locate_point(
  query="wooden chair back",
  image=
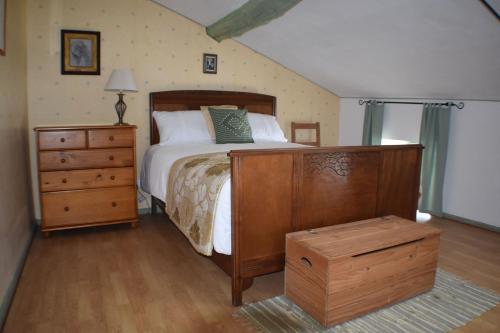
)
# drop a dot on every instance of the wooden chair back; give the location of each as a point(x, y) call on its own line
point(313, 126)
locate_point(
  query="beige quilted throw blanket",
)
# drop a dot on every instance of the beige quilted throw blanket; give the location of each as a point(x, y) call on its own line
point(194, 186)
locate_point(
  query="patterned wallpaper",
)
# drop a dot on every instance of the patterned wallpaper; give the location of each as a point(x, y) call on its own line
point(164, 50)
point(15, 203)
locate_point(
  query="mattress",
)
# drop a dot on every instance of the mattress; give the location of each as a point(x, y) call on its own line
point(155, 170)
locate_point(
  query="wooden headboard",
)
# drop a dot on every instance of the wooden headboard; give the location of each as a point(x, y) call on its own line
point(182, 100)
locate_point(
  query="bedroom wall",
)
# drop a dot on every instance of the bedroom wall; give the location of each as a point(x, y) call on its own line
point(15, 197)
point(164, 50)
point(472, 181)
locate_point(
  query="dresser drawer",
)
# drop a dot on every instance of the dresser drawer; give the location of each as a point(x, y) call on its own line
point(84, 159)
point(82, 179)
point(88, 206)
point(72, 139)
point(103, 138)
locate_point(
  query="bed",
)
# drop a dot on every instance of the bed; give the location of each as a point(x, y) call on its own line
point(279, 188)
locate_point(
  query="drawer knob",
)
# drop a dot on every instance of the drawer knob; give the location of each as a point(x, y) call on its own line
point(64, 180)
point(99, 175)
point(113, 204)
point(111, 138)
point(111, 158)
point(66, 209)
point(112, 177)
point(63, 160)
point(63, 139)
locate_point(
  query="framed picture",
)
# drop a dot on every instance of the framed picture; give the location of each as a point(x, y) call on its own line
point(3, 26)
point(80, 52)
point(209, 63)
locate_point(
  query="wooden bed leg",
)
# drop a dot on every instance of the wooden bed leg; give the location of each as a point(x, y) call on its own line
point(238, 286)
point(45, 234)
point(237, 291)
point(153, 205)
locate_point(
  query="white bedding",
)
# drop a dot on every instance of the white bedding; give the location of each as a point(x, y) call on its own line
point(156, 167)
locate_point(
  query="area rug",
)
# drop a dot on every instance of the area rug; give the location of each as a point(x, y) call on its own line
point(450, 304)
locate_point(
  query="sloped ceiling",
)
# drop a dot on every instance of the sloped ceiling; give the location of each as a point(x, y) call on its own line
point(443, 49)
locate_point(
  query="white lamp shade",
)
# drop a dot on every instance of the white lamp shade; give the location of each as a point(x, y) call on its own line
point(121, 80)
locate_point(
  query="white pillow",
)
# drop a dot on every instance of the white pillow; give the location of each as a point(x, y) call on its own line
point(181, 127)
point(265, 128)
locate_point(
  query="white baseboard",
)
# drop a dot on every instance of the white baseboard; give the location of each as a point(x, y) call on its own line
point(471, 222)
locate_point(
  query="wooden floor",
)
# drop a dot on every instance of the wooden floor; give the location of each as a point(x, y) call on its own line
point(116, 279)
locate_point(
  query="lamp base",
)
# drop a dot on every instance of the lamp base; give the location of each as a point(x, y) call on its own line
point(120, 108)
point(121, 124)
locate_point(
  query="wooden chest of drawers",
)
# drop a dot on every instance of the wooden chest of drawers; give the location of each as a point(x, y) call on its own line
point(340, 272)
point(87, 176)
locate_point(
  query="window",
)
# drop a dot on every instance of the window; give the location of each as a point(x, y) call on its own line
point(394, 142)
point(401, 124)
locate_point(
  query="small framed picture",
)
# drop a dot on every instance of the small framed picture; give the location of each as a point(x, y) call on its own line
point(209, 63)
point(80, 52)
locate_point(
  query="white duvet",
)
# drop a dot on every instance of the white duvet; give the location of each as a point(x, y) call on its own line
point(156, 167)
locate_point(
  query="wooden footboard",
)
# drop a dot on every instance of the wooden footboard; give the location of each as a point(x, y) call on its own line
point(283, 190)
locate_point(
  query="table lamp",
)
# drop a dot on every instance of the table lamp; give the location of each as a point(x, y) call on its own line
point(121, 80)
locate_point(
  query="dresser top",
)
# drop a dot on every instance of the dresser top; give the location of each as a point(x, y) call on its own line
point(76, 127)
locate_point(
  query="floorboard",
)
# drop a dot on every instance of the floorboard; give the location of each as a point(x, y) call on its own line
point(117, 279)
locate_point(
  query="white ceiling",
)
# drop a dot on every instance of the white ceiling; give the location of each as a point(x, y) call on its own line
point(443, 49)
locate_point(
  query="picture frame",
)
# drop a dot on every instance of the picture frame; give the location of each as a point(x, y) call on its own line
point(209, 63)
point(3, 26)
point(80, 52)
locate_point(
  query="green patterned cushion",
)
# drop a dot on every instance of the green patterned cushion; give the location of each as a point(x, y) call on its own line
point(231, 126)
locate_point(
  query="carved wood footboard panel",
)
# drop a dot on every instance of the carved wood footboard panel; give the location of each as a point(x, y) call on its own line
point(279, 191)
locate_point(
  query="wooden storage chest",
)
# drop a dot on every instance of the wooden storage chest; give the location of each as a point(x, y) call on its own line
point(340, 272)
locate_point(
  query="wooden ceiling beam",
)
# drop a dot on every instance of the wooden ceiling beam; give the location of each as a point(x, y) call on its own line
point(250, 15)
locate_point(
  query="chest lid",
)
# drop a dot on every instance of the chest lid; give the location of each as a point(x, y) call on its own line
point(351, 239)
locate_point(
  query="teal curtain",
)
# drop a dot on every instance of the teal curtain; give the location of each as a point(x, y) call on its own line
point(372, 127)
point(434, 133)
